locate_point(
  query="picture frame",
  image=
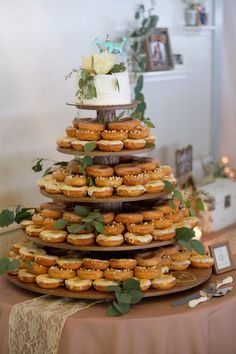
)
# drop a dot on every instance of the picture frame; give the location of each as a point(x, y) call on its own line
point(158, 50)
point(222, 255)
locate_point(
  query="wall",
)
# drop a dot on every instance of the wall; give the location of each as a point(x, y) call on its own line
point(228, 108)
point(41, 41)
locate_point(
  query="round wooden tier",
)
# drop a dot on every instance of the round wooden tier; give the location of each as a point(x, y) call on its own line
point(186, 279)
point(103, 153)
point(124, 247)
point(131, 105)
point(113, 199)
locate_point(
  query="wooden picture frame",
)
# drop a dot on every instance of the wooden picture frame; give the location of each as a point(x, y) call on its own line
point(158, 50)
point(222, 255)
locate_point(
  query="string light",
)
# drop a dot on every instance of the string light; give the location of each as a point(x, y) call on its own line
point(225, 160)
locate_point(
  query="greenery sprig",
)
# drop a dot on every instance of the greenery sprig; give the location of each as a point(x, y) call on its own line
point(127, 294)
point(7, 264)
point(38, 166)
point(90, 220)
point(8, 216)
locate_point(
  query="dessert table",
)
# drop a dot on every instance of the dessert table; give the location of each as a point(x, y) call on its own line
point(152, 326)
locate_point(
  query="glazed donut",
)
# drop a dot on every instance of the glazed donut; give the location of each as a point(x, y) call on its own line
point(166, 209)
point(15, 247)
point(170, 250)
point(100, 192)
point(52, 205)
point(71, 131)
point(140, 132)
point(140, 229)
point(164, 235)
point(129, 218)
point(179, 265)
point(199, 261)
point(181, 255)
point(90, 125)
point(151, 214)
point(81, 239)
point(72, 217)
point(176, 217)
point(74, 192)
point(43, 181)
point(150, 139)
point(50, 224)
point(135, 239)
point(147, 272)
point(104, 284)
point(133, 180)
point(113, 181)
point(35, 268)
point(92, 263)
point(46, 260)
point(79, 145)
point(134, 144)
point(46, 282)
point(59, 175)
point(156, 174)
point(29, 252)
point(51, 213)
point(25, 223)
point(108, 217)
point(165, 262)
point(146, 163)
point(54, 187)
point(162, 223)
point(114, 228)
point(124, 124)
point(144, 283)
point(123, 263)
point(164, 282)
point(64, 141)
point(33, 230)
point(109, 240)
point(38, 219)
point(114, 134)
point(154, 187)
point(130, 191)
point(56, 272)
point(118, 274)
point(53, 235)
point(69, 263)
point(99, 171)
point(26, 277)
point(149, 259)
point(167, 170)
point(191, 221)
point(76, 180)
point(170, 179)
point(110, 145)
point(91, 274)
point(77, 284)
point(87, 135)
point(125, 169)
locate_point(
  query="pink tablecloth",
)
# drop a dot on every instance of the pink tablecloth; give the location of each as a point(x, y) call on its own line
point(151, 327)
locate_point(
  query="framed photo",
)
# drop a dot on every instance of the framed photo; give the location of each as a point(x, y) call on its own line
point(158, 50)
point(223, 258)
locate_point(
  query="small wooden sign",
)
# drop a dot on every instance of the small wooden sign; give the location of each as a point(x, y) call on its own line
point(184, 162)
point(222, 255)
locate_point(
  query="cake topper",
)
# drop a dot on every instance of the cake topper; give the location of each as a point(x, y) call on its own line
point(111, 47)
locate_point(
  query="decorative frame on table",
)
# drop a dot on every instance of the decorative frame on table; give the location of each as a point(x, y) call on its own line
point(158, 50)
point(222, 255)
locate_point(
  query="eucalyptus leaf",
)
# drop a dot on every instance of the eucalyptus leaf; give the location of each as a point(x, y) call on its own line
point(81, 211)
point(184, 233)
point(148, 145)
point(192, 212)
point(99, 217)
point(169, 187)
point(136, 296)
point(61, 223)
point(131, 284)
point(121, 115)
point(47, 171)
point(122, 308)
point(185, 244)
point(124, 298)
point(112, 311)
point(75, 228)
point(98, 226)
point(199, 204)
point(23, 214)
point(178, 195)
point(90, 146)
point(7, 264)
point(38, 166)
point(171, 203)
point(198, 247)
point(6, 217)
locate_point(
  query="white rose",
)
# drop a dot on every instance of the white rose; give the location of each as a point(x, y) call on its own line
point(103, 62)
point(87, 63)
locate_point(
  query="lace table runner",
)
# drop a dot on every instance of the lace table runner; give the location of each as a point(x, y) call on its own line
point(35, 326)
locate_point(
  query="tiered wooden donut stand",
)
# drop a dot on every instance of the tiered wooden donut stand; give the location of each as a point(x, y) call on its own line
point(185, 279)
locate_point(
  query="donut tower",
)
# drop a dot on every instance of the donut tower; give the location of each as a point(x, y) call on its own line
point(94, 236)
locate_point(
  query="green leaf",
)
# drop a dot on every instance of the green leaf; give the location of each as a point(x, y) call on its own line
point(6, 264)
point(192, 212)
point(90, 146)
point(184, 244)
point(91, 91)
point(117, 83)
point(113, 287)
point(75, 228)
point(38, 166)
point(91, 182)
point(98, 226)
point(169, 187)
point(178, 195)
point(118, 68)
point(47, 171)
point(14, 264)
point(99, 217)
point(122, 308)
point(171, 203)
point(149, 124)
point(198, 247)
point(131, 284)
point(61, 223)
point(120, 115)
point(124, 298)
point(136, 296)
point(187, 204)
point(199, 204)
point(184, 233)
point(61, 163)
point(6, 217)
point(23, 214)
point(81, 211)
point(148, 145)
point(139, 84)
point(112, 311)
